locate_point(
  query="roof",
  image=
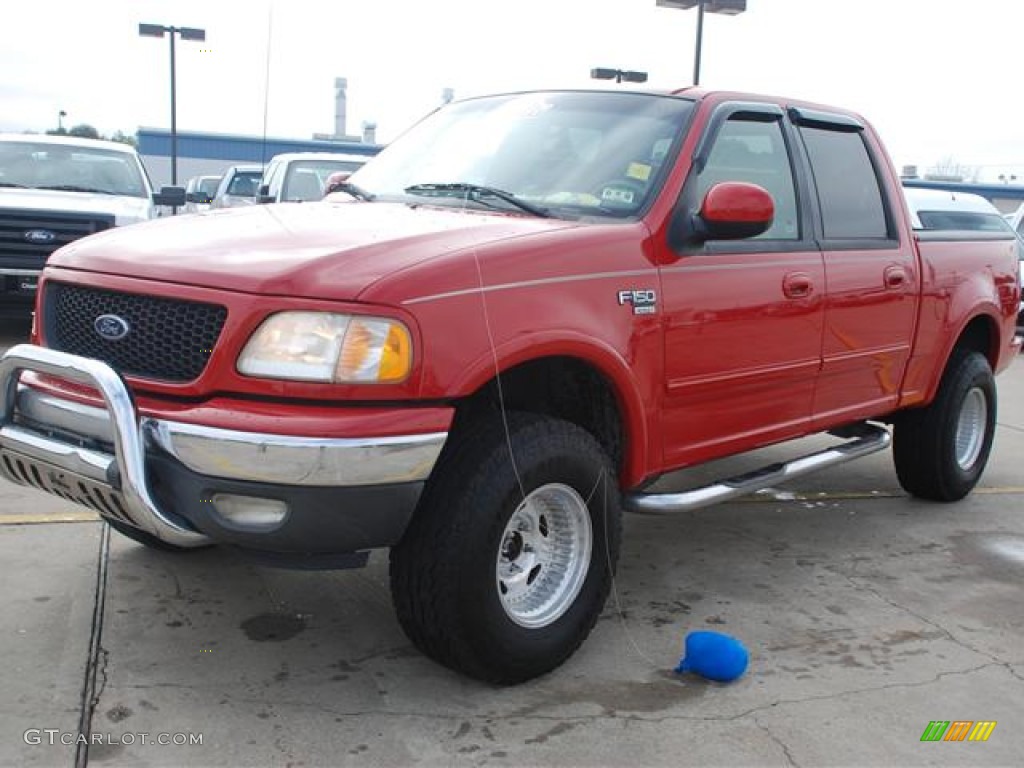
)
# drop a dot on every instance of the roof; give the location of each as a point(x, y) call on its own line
point(289, 156)
point(1000, 191)
point(155, 142)
point(68, 141)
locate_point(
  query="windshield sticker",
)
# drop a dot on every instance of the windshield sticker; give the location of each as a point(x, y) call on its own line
point(617, 195)
point(639, 171)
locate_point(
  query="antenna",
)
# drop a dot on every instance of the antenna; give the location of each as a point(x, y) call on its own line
point(266, 86)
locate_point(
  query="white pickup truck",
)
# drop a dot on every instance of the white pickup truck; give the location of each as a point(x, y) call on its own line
point(55, 189)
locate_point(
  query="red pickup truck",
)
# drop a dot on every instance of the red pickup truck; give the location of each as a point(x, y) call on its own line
point(508, 325)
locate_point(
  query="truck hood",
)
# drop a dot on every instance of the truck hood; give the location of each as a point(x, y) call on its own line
point(125, 210)
point(311, 250)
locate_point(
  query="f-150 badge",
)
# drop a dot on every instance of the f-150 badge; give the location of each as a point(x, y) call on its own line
point(644, 302)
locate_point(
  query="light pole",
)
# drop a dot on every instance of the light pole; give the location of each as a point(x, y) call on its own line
point(724, 7)
point(187, 33)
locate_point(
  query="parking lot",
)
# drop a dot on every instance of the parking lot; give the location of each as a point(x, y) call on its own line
point(867, 615)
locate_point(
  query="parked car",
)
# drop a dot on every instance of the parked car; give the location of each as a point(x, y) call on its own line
point(302, 176)
point(941, 210)
point(1016, 220)
point(56, 189)
point(530, 308)
point(238, 186)
point(199, 193)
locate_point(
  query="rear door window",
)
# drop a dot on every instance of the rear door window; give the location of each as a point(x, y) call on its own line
point(849, 194)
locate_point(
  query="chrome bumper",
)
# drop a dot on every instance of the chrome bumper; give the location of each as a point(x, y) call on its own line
point(38, 435)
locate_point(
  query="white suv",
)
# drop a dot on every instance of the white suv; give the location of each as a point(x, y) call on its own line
point(55, 189)
point(301, 176)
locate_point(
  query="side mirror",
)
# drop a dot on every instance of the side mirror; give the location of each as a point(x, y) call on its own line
point(172, 196)
point(263, 194)
point(335, 181)
point(734, 210)
point(191, 197)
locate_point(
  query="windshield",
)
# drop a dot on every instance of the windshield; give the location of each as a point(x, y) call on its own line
point(306, 178)
point(244, 183)
point(970, 220)
point(572, 153)
point(208, 185)
point(75, 168)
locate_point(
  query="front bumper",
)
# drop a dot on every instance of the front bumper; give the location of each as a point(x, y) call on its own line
point(165, 477)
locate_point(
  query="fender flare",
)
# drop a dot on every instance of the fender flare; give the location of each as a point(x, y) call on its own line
point(602, 357)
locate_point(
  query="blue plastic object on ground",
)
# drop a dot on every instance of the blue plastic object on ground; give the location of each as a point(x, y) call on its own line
point(715, 656)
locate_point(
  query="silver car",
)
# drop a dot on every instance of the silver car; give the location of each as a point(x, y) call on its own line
point(238, 186)
point(199, 193)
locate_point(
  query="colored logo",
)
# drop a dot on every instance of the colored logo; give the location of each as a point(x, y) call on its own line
point(958, 730)
point(40, 236)
point(111, 327)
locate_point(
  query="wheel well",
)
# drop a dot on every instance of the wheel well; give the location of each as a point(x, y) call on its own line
point(980, 336)
point(563, 387)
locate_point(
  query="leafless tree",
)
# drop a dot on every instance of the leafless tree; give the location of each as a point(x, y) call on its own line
point(949, 168)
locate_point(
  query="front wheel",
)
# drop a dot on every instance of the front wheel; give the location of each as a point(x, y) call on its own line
point(509, 558)
point(941, 451)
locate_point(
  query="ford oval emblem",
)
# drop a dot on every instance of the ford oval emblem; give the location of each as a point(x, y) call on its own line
point(111, 327)
point(40, 236)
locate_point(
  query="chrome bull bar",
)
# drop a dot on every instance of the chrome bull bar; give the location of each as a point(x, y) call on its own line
point(114, 485)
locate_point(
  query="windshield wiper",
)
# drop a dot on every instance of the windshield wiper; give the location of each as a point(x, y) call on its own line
point(476, 192)
point(12, 184)
point(351, 189)
point(76, 188)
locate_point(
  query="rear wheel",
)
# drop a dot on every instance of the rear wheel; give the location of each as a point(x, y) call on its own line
point(506, 565)
point(941, 451)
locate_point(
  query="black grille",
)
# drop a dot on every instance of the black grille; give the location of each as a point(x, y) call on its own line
point(27, 238)
point(168, 339)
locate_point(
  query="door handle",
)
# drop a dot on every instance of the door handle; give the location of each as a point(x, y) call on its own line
point(797, 285)
point(895, 277)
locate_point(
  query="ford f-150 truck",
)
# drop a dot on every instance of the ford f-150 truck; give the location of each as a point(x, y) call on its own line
point(55, 189)
point(505, 328)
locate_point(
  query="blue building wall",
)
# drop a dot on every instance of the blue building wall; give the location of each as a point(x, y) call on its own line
point(211, 153)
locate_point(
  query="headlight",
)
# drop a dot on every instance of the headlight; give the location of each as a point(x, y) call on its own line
point(319, 346)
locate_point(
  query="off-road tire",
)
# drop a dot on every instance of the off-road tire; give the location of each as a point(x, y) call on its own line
point(444, 577)
point(925, 442)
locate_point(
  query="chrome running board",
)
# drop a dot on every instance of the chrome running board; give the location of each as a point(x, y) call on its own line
point(867, 439)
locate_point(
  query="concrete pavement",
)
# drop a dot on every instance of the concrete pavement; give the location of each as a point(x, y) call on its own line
point(868, 615)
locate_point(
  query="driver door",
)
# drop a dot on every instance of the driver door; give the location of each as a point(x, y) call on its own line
point(743, 338)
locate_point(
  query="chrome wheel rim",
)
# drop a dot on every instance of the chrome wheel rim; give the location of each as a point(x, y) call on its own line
point(970, 428)
point(544, 555)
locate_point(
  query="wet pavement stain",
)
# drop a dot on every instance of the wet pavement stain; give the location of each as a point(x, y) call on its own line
point(558, 729)
point(997, 556)
point(273, 627)
point(661, 691)
point(118, 713)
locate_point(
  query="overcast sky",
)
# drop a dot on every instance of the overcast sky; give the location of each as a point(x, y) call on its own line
point(939, 79)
